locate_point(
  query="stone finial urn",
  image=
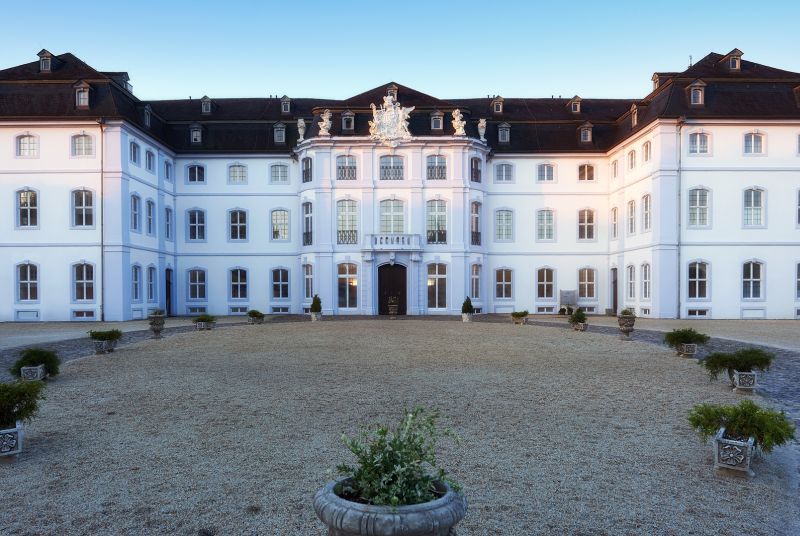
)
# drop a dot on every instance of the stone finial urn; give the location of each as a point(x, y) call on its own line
point(347, 518)
point(156, 321)
point(626, 322)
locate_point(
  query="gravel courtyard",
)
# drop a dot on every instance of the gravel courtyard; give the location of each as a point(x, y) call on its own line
point(232, 432)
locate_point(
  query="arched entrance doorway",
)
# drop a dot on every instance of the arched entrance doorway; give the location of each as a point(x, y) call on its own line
point(391, 283)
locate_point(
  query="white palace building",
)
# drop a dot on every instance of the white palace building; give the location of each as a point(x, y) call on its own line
point(684, 203)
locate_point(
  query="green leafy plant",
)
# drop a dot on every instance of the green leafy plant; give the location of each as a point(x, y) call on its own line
point(562, 311)
point(466, 307)
point(255, 313)
point(203, 318)
point(744, 360)
point(316, 304)
point(19, 401)
point(156, 312)
point(627, 312)
point(570, 310)
point(395, 466)
point(519, 314)
point(33, 357)
point(107, 335)
point(578, 317)
point(768, 427)
point(684, 336)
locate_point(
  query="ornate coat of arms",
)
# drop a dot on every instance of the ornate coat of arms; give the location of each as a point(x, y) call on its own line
point(390, 122)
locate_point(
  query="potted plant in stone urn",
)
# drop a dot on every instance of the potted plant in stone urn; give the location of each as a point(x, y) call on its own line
point(685, 341)
point(626, 320)
point(36, 364)
point(741, 366)
point(739, 430)
point(396, 487)
point(105, 340)
point(518, 317)
point(316, 308)
point(467, 310)
point(254, 316)
point(156, 321)
point(578, 320)
point(19, 402)
point(393, 305)
point(204, 322)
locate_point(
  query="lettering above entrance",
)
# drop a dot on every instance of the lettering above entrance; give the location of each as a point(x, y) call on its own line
point(389, 123)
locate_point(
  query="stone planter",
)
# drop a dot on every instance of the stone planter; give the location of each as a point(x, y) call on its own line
point(466, 317)
point(626, 326)
point(11, 440)
point(104, 347)
point(30, 374)
point(255, 319)
point(393, 309)
point(156, 325)
point(580, 326)
point(316, 317)
point(687, 350)
point(347, 518)
point(733, 453)
point(519, 320)
point(204, 326)
point(744, 381)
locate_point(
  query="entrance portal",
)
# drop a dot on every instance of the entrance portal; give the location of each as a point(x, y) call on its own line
point(391, 283)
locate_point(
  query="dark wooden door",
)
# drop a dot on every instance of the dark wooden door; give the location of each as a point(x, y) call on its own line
point(391, 282)
point(168, 292)
point(614, 290)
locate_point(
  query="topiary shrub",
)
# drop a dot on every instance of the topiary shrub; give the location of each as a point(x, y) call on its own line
point(316, 304)
point(684, 336)
point(627, 312)
point(570, 310)
point(204, 318)
point(768, 427)
point(395, 466)
point(562, 311)
point(19, 401)
point(578, 317)
point(107, 335)
point(519, 314)
point(254, 313)
point(33, 357)
point(466, 307)
point(745, 360)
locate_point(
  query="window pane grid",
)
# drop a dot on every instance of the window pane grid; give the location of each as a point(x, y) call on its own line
point(504, 225)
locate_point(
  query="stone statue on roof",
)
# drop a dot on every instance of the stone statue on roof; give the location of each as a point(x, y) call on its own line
point(301, 128)
point(325, 124)
point(459, 123)
point(390, 122)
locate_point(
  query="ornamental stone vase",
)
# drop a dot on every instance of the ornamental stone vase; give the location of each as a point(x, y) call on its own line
point(347, 518)
point(316, 317)
point(626, 323)
point(732, 453)
point(156, 325)
point(31, 374)
point(466, 317)
point(11, 440)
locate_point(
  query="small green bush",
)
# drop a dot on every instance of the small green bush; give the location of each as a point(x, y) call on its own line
point(316, 304)
point(33, 357)
point(204, 318)
point(466, 307)
point(107, 335)
point(255, 313)
point(745, 360)
point(519, 314)
point(19, 401)
point(627, 312)
point(768, 427)
point(684, 336)
point(578, 317)
point(562, 311)
point(156, 312)
point(395, 466)
point(570, 310)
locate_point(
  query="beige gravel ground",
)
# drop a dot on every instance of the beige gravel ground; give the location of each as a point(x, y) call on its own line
point(232, 431)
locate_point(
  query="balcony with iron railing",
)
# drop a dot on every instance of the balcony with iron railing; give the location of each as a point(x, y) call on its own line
point(437, 236)
point(476, 238)
point(347, 237)
point(393, 242)
point(437, 173)
point(391, 173)
point(345, 173)
point(308, 238)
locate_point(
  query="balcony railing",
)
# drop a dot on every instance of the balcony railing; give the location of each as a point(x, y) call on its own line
point(347, 237)
point(476, 238)
point(345, 173)
point(437, 237)
point(437, 173)
point(388, 241)
point(308, 238)
point(391, 173)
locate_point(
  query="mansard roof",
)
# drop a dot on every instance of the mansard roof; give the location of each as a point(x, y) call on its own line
point(245, 125)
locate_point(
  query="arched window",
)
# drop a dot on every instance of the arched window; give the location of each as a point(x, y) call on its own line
point(754, 207)
point(27, 209)
point(647, 212)
point(614, 222)
point(697, 96)
point(585, 172)
point(698, 280)
point(150, 161)
point(82, 97)
point(391, 168)
point(503, 284)
point(307, 166)
point(436, 222)
point(504, 173)
point(699, 207)
point(698, 143)
point(82, 145)
point(753, 143)
point(27, 282)
point(646, 151)
point(346, 222)
point(196, 174)
point(150, 217)
point(280, 284)
point(631, 159)
point(436, 168)
point(752, 283)
point(279, 174)
point(347, 285)
point(437, 286)
point(308, 223)
point(645, 281)
point(238, 284)
point(27, 146)
point(545, 283)
point(391, 215)
point(279, 133)
point(545, 173)
point(475, 223)
point(197, 284)
point(82, 208)
point(504, 225)
point(504, 133)
point(136, 213)
point(615, 168)
point(136, 283)
point(631, 282)
point(345, 168)
point(134, 153)
point(83, 282)
point(475, 282)
point(631, 217)
point(237, 224)
point(586, 224)
point(545, 225)
point(237, 174)
point(280, 224)
point(587, 284)
point(196, 220)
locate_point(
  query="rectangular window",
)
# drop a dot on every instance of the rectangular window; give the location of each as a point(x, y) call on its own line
point(347, 285)
point(238, 225)
point(436, 168)
point(753, 208)
point(308, 281)
point(150, 161)
point(614, 223)
point(545, 283)
point(503, 284)
point(280, 225)
point(391, 213)
point(586, 224)
point(346, 222)
point(698, 207)
point(475, 223)
point(504, 225)
point(504, 173)
point(150, 217)
point(197, 225)
point(308, 224)
point(307, 170)
point(83, 281)
point(168, 223)
point(475, 281)
point(645, 281)
point(753, 143)
point(475, 170)
point(28, 282)
point(751, 280)
point(797, 291)
point(646, 213)
point(436, 224)
point(586, 283)
point(345, 168)
point(135, 213)
point(82, 145)
point(437, 286)
point(631, 217)
point(279, 174)
point(196, 174)
point(27, 208)
point(391, 168)
point(545, 228)
point(82, 208)
point(698, 280)
point(631, 282)
point(197, 284)
point(238, 284)
point(151, 283)
point(698, 143)
point(545, 173)
point(136, 283)
point(280, 284)
point(237, 174)
point(168, 171)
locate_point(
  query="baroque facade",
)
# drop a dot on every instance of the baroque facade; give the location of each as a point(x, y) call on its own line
point(682, 204)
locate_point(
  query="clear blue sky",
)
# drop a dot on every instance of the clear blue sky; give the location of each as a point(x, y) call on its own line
point(335, 49)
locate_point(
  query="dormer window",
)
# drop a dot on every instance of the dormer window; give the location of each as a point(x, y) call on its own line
point(586, 133)
point(634, 116)
point(196, 134)
point(82, 97)
point(697, 91)
point(734, 63)
point(504, 133)
point(391, 91)
point(575, 105)
point(733, 60)
point(205, 105)
point(147, 114)
point(286, 105)
point(348, 120)
point(279, 133)
point(656, 81)
point(697, 96)
point(437, 120)
point(497, 105)
point(45, 61)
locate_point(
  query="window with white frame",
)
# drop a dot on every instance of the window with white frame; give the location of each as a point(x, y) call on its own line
point(307, 169)
point(197, 224)
point(391, 168)
point(475, 169)
point(168, 171)
point(81, 145)
point(631, 282)
point(82, 208)
point(586, 172)
point(586, 223)
point(348, 121)
point(631, 217)
point(697, 96)
point(134, 152)
point(699, 207)
point(27, 145)
point(753, 143)
point(279, 133)
point(587, 283)
point(647, 150)
point(504, 173)
point(168, 223)
point(196, 174)
point(237, 174)
point(150, 216)
point(614, 222)
point(698, 143)
point(545, 283)
point(586, 135)
point(346, 222)
point(280, 284)
point(545, 172)
point(308, 223)
point(197, 284)
point(436, 221)
point(136, 283)
point(504, 225)
point(645, 281)
point(391, 216)
point(151, 283)
point(436, 121)
point(503, 284)
point(150, 161)
point(753, 207)
point(345, 168)
point(615, 168)
point(27, 208)
point(279, 174)
point(308, 281)
point(27, 282)
point(631, 159)
point(147, 117)
point(698, 280)
point(436, 168)
point(82, 97)
point(752, 288)
point(347, 285)
point(237, 224)
point(634, 116)
point(475, 223)
point(475, 281)
point(238, 284)
point(504, 133)
point(280, 224)
point(545, 224)
point(437, 286)
point(136, 213)
point(83, 282)
point(647, 212)
point(195, 135)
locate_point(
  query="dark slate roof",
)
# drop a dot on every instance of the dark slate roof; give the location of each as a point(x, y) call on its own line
point(537, 124)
